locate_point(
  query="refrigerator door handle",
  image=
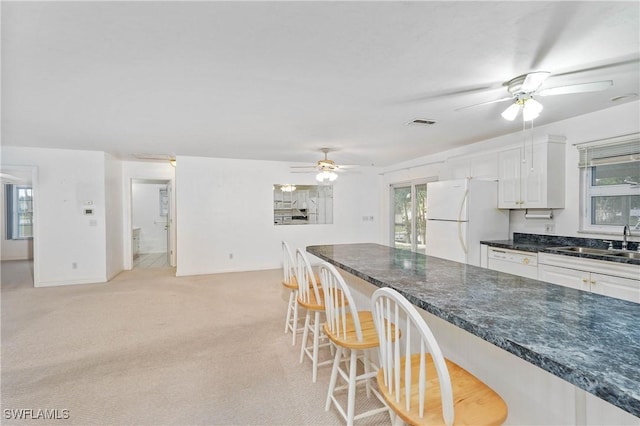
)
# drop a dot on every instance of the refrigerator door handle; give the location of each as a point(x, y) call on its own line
point(460, 236)
point(464, 200)
point(464, 246)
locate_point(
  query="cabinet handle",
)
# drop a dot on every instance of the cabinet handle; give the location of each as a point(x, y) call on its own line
point(593, 281)
point(584, 280)
point(525, 261)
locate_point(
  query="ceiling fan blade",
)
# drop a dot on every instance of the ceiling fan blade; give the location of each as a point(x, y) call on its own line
point(485, 103)
point(594, 86)
point(533, 81)
point(620, 63)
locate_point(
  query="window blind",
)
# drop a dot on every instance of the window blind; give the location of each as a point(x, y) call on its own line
point(609, 151)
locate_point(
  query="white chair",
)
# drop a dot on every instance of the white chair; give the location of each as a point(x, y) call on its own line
point(290, 282)
point(310, 297)
point(420, 385)
point(353, 333)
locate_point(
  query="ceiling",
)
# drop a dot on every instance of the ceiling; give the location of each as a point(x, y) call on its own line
point(280, 80)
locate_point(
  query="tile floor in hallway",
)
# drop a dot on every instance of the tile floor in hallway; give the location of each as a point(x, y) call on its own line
point(150, 260)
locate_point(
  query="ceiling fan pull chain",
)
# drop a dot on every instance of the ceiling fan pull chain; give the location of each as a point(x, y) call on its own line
point(531, 145)
point(524, 141)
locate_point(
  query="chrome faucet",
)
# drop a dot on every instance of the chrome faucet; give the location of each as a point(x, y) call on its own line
point(626, 232)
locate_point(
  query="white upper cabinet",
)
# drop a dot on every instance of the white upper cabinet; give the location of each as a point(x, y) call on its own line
point(532, 176)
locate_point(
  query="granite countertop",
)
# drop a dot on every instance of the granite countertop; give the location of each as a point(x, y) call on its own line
point(589, 340)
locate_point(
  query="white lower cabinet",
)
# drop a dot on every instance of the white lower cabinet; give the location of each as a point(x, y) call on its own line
point(565, 277)
point(620, 288)
point(612, 279)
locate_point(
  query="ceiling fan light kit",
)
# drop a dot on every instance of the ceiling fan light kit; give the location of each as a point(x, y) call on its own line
point(327, 176)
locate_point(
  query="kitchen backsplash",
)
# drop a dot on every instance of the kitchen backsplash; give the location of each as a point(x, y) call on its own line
point(559, 240)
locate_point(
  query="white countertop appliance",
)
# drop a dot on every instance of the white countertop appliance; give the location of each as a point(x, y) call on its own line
point(461, 213)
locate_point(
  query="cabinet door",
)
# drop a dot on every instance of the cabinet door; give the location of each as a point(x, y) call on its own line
point(534, 177)
point(620, 288)
point(509, 165)
point(565, 277)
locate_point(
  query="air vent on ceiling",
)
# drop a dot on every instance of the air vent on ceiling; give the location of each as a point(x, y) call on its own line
point(422, 122)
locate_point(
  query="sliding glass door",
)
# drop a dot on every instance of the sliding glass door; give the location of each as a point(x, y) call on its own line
point(409, 216)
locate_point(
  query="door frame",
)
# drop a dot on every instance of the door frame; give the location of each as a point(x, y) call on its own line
point(36, 215)
point(128, 218)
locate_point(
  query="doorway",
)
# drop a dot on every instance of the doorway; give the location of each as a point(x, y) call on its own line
point(151, 220)
point(18, 229)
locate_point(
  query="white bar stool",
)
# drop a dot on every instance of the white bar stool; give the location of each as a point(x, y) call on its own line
point(311, 298)
point(354, 334)
point(418, 383)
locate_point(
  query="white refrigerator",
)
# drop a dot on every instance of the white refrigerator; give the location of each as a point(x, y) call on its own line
point(460, 214)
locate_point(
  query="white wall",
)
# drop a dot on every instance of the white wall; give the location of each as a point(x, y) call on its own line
point(146, 216)
point(225, 207)
point(480, 160)
point(66, 180)
point(113, 218)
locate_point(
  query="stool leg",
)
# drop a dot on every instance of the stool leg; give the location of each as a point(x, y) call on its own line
point(351, 397)
point(334, 376)
point(305, 336)
point(294, 328)
point(289, 312)
point(367, 369)
point(316, 338)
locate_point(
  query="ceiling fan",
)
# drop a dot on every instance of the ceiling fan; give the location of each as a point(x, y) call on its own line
point(326, 169)
point(524, 88)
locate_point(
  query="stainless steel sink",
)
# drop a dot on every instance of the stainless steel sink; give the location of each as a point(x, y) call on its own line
point(627, 254)
point(600, 252)
point(586, 250)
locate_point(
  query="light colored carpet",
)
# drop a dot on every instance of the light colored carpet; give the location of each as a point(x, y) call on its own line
point(150, 348)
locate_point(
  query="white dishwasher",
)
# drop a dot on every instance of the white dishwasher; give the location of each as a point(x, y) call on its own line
point(522, 263)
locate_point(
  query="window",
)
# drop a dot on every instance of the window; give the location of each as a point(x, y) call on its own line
point(610, 175)
point(409, 216)
point(19, 212)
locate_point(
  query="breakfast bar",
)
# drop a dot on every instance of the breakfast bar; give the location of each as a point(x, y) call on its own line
point(587, 340)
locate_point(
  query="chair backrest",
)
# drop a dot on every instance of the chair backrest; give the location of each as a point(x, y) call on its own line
point(306, 279)
point(338, 302)
point(288, 264)
point(389, 307)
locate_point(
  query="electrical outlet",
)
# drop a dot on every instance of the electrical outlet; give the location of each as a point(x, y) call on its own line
point(550, 228)
point(74, 265)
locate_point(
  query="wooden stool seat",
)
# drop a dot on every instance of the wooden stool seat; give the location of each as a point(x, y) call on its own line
point(292, 284)
point(417, 382)
point(474, 403)
point(350, 339)
point(311, 302)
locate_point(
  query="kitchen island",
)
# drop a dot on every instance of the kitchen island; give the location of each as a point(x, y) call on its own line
point(587, 340)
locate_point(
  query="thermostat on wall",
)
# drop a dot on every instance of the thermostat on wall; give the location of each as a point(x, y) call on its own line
point(88, 208)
